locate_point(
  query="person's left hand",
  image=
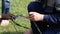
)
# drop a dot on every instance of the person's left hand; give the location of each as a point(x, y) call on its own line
point(34, 16)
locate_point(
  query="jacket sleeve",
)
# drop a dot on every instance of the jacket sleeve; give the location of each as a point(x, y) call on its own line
point(34, 6)
point(52, 18)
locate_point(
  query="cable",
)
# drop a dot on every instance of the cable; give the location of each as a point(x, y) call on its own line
point(19, 24)
point(37, 28)
point(33, 22)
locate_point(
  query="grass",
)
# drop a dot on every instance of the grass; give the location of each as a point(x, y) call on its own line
point(17, 7)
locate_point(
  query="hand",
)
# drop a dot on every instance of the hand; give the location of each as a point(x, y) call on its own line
point(4, 22)
point(34, 16)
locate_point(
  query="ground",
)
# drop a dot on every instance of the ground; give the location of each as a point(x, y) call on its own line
point(17, 7)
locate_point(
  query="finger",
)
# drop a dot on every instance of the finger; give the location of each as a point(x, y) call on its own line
point(31, 19)
point(32, 12)
point(30, 16)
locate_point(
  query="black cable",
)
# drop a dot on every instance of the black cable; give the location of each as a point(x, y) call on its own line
point(19, 24)
point(37, 28)
point(26, 27)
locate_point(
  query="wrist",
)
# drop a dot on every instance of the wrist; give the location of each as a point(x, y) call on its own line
point(42, 17)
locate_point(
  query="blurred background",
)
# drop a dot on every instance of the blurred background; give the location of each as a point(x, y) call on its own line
point(18, 7)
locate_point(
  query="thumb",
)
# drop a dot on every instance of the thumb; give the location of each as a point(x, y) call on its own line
point(32, 12)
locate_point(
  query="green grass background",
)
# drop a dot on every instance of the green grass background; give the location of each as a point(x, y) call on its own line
point(17, 7)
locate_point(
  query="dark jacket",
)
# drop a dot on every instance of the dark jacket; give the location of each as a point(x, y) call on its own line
point(51, 22)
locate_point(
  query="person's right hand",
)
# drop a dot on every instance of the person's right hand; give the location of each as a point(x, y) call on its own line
point(34, 16)
point(4, 22)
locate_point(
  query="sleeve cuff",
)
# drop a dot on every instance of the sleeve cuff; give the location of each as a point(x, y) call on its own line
point(46, 18)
